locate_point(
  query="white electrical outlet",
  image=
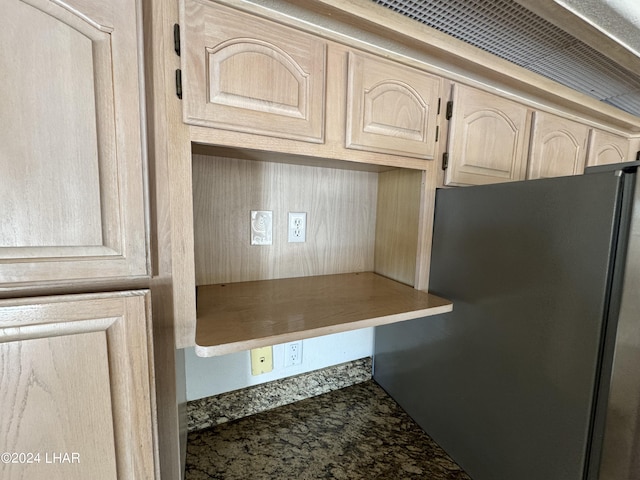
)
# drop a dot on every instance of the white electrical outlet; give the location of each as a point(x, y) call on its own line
point(293, 353)
point(261, 227)
point(297, 227)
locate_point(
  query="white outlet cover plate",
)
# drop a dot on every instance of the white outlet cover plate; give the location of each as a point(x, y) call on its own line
point(289, 348)
point(297, 232)
point(261, 227)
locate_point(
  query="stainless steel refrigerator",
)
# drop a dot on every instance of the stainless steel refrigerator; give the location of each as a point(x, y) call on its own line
point(535, 375)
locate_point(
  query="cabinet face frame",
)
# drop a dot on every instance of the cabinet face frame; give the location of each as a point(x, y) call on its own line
point(77, 379)
point(104, 207)
point(482, 116)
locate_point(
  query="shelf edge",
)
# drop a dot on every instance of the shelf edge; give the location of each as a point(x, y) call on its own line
point(223, 349)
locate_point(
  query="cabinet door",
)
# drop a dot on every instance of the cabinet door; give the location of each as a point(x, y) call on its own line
point(75, 388)
point(487, 138)
point(71, 187)
point(605, 148)
point(391, 108)
point(558, 146)
point(251, 75)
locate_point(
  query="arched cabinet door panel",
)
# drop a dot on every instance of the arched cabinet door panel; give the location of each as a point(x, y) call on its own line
point(391, 108)
point(558, 146)
point(247, 74)
point(606, 148)
point(71, 187)
point(76, 387)
point(487, 138)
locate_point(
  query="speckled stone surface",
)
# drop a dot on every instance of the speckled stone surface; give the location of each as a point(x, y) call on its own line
point(355, 433)
point(219, 409)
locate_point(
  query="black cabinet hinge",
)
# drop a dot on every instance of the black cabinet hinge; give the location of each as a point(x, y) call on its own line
point(445, 160)
point(449, 110)
point(179, 83)
point(439, 102)
point(437, 132)
point(176, 38)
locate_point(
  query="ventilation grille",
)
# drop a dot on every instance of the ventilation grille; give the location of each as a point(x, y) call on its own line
point(510, 31)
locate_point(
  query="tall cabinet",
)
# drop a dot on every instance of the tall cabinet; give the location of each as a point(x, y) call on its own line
point(75, 325)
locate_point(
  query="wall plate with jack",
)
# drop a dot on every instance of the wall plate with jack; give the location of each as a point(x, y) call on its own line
point(261, 360)
point(297, 227)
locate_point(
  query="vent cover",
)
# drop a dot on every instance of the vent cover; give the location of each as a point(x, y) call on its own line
point(510, 31)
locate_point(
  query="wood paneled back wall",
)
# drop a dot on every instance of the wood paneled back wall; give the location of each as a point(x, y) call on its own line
point(341, 219)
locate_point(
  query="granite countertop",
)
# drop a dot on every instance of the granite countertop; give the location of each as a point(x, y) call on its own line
point(357, 432)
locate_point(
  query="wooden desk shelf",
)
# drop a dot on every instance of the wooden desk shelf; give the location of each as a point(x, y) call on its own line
point(240, 316)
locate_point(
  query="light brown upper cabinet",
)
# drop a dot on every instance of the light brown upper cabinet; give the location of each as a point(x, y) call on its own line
point(607, 148)
point(558, 146)
point(391, 108)
point(76, 382)
point(270, 84)
point(488, 137)
point(71, 186)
